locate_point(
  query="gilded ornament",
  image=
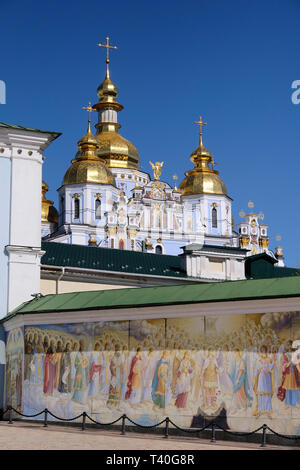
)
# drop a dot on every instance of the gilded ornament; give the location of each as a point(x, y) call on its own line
point(156, 169)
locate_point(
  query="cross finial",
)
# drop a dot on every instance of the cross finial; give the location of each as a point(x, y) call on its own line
point(200, 123)
point(89, 109)
point(107, 46)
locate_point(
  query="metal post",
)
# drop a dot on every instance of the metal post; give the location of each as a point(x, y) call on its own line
point(213, 433)
point(123, 425)
point(264, 436)
point(46, 418)
point(167, 428)
point(10, 415)
point(83, 421)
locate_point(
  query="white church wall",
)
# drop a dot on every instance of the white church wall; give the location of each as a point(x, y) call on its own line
point(5, 171)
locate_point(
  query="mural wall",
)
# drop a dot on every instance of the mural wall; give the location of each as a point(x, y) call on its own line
point(244, 369)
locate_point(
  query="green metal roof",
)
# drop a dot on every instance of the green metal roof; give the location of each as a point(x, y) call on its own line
point(108, 259)
point(263, 266)
point(170, 295)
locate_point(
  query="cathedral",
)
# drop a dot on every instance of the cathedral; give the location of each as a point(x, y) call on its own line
point(107, 201)
point(154, 256)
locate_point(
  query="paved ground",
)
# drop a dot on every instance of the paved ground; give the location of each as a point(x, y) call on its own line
point(26, 436)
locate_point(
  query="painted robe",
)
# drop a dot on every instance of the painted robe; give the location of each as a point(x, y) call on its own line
point(150, 364)
point(95, 368)
point(239, 377)
point(115, 381)
point(65, 383)
point(81, 380)
point(49, 373)
point(289, 390)
point(159, 383)
point(210, 380)
point(183, 384)
point(134, 384)
point(263, 384)
point(224, 380)
point(124, 374)
point(37, 365)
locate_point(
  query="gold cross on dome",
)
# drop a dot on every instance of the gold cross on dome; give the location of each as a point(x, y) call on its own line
point(107, 46)
point(89, 109)
point(200, 124)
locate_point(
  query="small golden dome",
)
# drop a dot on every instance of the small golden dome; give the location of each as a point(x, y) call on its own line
point(116, 150)
point(199, 182)
point(202, 179)
point(87, 171)
point(107, 88)
point(49, 213)
point(88, 167)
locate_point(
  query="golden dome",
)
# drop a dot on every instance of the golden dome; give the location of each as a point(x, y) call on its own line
point(116, 150)
point(88, 167)
point(49, 213)
point(87, 171)
point(202, 179)
point(200, 182)
point(107, 89)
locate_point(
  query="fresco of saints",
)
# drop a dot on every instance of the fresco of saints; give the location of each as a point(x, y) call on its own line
point(50, 370)
point(183, 383)
point(134, 384)
point(210, 379)
point(290, 385)
point(115, 378)
point(159, 382)
point(81, 379)
point(263, 383)
point(65, 383)
point(95, 368)
point(239, 376)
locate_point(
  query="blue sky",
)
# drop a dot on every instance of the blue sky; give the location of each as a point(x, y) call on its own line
point(230, 61)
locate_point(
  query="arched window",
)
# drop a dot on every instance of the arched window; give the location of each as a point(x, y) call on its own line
point(97, 209)
point(158, 249)
point(76, 208)
point(214, 218)
point(121, 244)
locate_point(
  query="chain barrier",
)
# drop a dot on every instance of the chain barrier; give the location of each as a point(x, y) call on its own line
point(283, 435)
point(104, 424)
point(167, 420)
point(144, 426)
point(239, 433)
point(189, 430)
